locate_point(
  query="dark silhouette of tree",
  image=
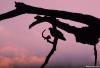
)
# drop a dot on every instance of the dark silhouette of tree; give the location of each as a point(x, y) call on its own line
point(54, 32)
point(86, 35)
point(83, 35)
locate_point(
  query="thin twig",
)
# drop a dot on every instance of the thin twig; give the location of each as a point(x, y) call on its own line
point(51, 52)
point(95, 54)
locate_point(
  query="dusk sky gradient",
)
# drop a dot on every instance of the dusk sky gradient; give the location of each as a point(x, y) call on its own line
point(21, 46)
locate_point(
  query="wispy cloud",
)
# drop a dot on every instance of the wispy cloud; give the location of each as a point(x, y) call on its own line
point(10, 56)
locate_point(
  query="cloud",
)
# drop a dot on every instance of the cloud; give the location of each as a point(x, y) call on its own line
point(11, 56)
point(12, 50)
point(7, 62)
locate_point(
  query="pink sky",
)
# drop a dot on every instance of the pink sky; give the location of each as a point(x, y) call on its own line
point(16, 40)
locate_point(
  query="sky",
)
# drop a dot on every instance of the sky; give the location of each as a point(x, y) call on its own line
point(20, 46)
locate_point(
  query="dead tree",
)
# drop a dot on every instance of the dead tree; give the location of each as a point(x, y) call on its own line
point(86, 35)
